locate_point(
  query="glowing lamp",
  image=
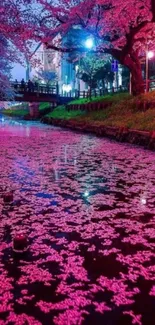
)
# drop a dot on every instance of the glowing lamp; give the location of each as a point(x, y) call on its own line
point(89, 43)
point(150, 54)
point(20, 243)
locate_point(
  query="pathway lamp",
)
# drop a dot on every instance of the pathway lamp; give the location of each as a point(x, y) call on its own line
point(89, 43)
point(149, 56)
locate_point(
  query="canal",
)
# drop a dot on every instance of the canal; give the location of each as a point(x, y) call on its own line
point(87, 207)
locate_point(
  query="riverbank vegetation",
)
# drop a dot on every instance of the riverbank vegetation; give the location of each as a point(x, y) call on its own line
point(126, 111)
point(23, 110)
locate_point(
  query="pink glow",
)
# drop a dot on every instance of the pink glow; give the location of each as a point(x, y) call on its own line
point(89, 254)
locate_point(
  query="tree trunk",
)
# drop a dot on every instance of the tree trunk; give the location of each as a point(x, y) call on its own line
point(137, 82)
point(90, 86)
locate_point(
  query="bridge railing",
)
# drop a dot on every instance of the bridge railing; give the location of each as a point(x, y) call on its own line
point(33, 88)
point(28, 88)
point(93, 92)
point(45, 89)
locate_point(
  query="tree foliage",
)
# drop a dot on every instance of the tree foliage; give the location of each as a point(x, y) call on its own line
point(120, 28)
point(95, 71)
point(89, 65)
point(48, 76)
point(17, 34)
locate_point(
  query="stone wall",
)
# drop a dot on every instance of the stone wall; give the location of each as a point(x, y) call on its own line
point(142, 138)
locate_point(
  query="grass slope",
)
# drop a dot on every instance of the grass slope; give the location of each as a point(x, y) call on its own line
point(22, 110)
point(60, 112)
point(109, 97)
point(15, 112)
point(122, 113)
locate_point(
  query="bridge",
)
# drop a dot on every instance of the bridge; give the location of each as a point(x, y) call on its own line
point(35, 93)
point(39, 93)
point(43, 93)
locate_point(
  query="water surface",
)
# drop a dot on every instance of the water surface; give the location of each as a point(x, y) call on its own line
point(87, 206)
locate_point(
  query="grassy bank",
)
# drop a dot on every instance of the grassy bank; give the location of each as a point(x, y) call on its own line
point(22, 110)
point(60, 112)
point(106, 98)
point(18, 112)
point(124, 112)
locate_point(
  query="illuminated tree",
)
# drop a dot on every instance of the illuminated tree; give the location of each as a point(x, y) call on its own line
point(120, 28)
point(16, 34)
point(92, 69)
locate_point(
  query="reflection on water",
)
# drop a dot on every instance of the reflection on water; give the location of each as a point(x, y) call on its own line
point(19, 127)
point(88, 208)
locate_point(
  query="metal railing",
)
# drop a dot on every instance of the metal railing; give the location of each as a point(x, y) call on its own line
point(34, 88)
point(45, 89)
point(99, 92)
point(31, 87)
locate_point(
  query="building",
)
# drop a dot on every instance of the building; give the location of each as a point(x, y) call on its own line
point(46, 61)
point(62, 68)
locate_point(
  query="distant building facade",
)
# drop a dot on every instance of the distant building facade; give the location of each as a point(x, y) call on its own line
point(47, 60)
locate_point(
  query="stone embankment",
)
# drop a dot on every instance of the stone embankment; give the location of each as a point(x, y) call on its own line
point(142, 138)
point(96, 106)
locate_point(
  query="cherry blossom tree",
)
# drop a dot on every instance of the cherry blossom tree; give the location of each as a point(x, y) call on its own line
point(120, 28)
point(15, 38)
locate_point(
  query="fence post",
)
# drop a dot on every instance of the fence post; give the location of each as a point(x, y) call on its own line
point(113, 89)
point(84, 94)
point(57, 88)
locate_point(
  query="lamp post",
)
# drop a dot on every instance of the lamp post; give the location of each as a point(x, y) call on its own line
point(89, 44)
point(149, 55)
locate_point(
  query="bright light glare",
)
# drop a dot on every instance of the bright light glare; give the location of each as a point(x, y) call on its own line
point(150, 54)
point(86, 193)
point(89, 43)
point(66, 88)
point(143, 201)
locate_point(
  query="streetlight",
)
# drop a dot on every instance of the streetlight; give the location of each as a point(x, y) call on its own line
point(149, 55)
point(89, 43)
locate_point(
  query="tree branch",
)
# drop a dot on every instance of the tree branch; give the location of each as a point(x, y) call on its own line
point(153, 9)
